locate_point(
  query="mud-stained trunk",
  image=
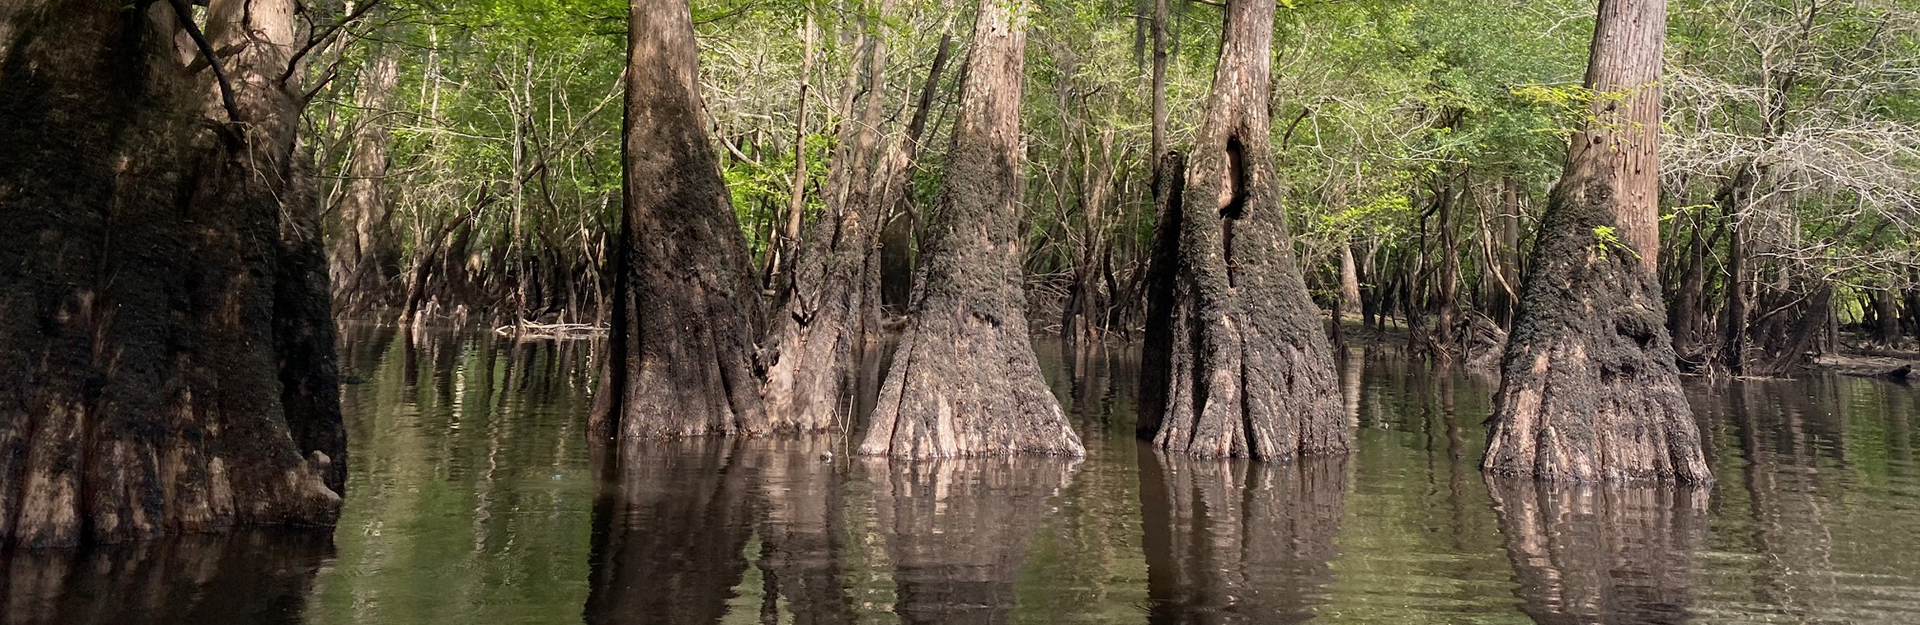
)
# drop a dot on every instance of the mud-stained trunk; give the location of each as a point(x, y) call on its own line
point(1590, 390)
point(365, 258)
point(1239, 541)
point(957, 531)
point(815, 340)
point(896, 242)
point(1250, 372)
point(261, 577)
point(670, 532)
point(964, 380)
point(165, 343)
point(680, 358)
point(1588, 553)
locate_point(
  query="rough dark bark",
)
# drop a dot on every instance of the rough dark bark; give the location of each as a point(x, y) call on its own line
point(815, 340)
point(1590, 390)
point(1593, 554)
point(1240, 542)
point(165, 343)
point(1250, 370)
point(680, 359)
point(964, 380)
point(983, 511)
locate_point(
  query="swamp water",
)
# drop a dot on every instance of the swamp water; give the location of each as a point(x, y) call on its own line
point(472, 502)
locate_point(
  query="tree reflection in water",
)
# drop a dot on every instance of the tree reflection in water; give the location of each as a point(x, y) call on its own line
point(1598, 553)
point(256, 576)
point(1234, 542)
point(957, 530)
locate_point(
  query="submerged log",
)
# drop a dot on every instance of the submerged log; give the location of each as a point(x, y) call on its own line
point(1590, 390)
point(964, 380)
point(166, 347)
point(1248, 369)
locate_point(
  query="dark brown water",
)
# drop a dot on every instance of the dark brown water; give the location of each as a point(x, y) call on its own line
point(472, 502)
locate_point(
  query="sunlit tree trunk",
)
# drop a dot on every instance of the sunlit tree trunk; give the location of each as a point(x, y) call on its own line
point(365, 260)
point(816, 336)
point(1249, 369)
point(680, 360)
point(1590, 391)
point(166, 344)
point(964, 380)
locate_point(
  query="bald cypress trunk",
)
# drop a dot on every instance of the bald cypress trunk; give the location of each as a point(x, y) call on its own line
point(964, 380)
point(1249, 370)
point(366, 259)
point(817, 335)
point(165, 339)
point(1590, 389)
point(680, 359)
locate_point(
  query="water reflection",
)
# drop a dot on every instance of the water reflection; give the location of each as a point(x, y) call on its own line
point(1586, 553)
point(258, 577)
point(957, 531)
point(1240, 542)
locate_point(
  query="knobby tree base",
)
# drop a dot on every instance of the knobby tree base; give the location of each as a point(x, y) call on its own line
point(1590, 391)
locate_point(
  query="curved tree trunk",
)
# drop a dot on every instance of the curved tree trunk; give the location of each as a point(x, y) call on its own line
point(680, 360)
point(964, 380)
point(1590, 390)
point(1250, 370)
point(816, 337)
point(165, 344)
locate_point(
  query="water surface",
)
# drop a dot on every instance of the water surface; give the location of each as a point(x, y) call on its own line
point(473, 500)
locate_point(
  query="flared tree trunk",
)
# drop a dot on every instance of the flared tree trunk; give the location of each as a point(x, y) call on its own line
point(816, 337)
point(1249, 369)
point(964, 380)
point(166, 347)
point(1590, 390)
point(680, 359)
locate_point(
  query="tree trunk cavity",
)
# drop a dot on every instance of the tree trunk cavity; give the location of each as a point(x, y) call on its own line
point(680, 361)
point(818, 334)
point(1249, 372)
point(964, 380)
point(166, 343)
point(1590, 390)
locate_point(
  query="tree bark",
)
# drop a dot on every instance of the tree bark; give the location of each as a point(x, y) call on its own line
point(1590, 390)
point(165, 341)
point(896, 245)
point(680, 361)
point(816, 337)
point(365, 260)
point(964, 380)
point(1250, 373)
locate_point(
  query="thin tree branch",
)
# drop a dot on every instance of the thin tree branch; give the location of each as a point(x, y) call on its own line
point(185, 14)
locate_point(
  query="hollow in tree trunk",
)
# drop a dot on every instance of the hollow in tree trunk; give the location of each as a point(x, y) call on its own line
point(1590, 390)
point(680, 361)
point(964, 380)
point(1249, 371)
point(165, 338)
